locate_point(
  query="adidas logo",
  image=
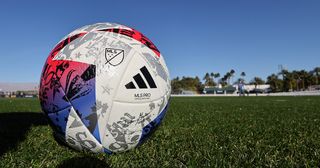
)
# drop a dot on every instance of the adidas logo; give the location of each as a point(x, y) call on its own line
point(140, 81)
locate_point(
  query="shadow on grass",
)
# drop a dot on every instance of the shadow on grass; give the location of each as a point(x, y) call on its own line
point(13, 130)
point(84, 161)
point(15, 125)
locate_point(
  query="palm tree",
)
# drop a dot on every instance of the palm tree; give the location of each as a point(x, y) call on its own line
point(306, 78)
point(206, 78)
point(257, 81)
point(316, 70)
point(232, 72)
point(216, 75)
point(223, 80)
point(228, 76)
point(297, 79)
point(287, 80)
point(283, 72)
point(243, 74)
point(274, 82)
point(212, 76)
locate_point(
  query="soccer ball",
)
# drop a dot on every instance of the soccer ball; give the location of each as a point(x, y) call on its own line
point(104, 88)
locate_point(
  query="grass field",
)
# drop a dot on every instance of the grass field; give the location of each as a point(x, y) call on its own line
point(196, 132)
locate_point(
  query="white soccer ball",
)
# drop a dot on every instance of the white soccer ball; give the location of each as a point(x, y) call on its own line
point(104, 88)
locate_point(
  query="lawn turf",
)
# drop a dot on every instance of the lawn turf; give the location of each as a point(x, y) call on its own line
point(196, 132)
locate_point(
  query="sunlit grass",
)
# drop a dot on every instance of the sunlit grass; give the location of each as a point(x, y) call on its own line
point(196, 132)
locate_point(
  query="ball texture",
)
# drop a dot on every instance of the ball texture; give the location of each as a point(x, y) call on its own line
point(104, 88)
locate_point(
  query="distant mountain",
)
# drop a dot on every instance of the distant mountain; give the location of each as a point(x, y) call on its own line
point(12, 87)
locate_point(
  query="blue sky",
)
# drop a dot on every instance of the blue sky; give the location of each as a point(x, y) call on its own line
point(195, 37)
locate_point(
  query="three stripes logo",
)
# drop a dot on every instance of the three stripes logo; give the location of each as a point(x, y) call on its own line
point(140, 81)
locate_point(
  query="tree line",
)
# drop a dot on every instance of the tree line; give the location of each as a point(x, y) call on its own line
point(284, 81)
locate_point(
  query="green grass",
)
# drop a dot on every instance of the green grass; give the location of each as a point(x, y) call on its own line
point(196, 132)
point(19, 105)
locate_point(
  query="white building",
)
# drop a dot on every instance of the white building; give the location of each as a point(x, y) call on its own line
point(251, 87)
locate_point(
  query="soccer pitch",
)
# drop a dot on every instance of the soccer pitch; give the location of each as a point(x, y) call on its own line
point(196, 132)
